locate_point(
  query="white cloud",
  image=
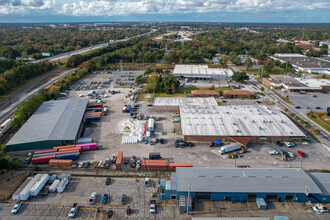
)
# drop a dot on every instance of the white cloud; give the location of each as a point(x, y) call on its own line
point(107, 8)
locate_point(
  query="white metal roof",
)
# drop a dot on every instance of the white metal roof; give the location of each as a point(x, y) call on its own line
point(202, 70)
point(54, 120)
point(252, 180)
point(322, 180)
point(178, 101)
point(236, 120)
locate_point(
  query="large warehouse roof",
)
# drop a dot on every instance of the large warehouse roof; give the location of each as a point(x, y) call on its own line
point(54, 120)
point(322, 180)
point(256, 180)
point(236, 120)
point(200, 70)
point(178, 101)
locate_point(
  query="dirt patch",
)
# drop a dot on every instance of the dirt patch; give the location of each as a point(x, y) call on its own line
point(10, 181)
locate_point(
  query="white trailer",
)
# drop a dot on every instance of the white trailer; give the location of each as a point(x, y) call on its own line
point(36, 188)
point(53, 187)
point(151, 125)
point(229, 148)
point(25, 193)
point(20, 189)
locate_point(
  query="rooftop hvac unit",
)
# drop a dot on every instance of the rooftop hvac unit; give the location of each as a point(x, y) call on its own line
point(238, 130)
point(234, 123)
point(260, 128)
point(282, 121)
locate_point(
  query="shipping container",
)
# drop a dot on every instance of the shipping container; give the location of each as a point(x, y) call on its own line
point(173, 166)
point(54, 185)
point(41, 160)
point(36, 188)
point(93, 114)
point(92, 119)
point(60, 163)
point(69, 149)
point(73, 151)
point(119, 160)
point(44, 154)
point(154, 164)
point(68, 157)
point(63, 147)
point(93, 109)
point(44, 151)
point(84, 140)
point(154, 156)
point(88, 146)
point(99, 105)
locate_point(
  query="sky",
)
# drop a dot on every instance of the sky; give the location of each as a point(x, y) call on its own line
point(264, 11)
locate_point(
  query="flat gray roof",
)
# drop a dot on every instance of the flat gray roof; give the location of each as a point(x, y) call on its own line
point(178, 101)
point(54, 120)
point(304, 61)
point(200, 70)
point(236, 120)
point(322, 180)
point(252, 180)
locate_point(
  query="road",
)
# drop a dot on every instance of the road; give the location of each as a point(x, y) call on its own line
point(324, 136)
point(9, 105)
point(87, 49)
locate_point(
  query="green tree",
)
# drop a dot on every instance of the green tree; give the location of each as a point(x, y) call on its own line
point(169, 83)
point(316, 131)
point(248, 63)
point(286, 109)
point(240, 76)
point(152, 81)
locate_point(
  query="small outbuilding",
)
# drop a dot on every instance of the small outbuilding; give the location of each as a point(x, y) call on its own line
point(238, 94)
point(205, 93)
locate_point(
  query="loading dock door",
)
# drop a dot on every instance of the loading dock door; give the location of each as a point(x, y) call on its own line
point(203, 195)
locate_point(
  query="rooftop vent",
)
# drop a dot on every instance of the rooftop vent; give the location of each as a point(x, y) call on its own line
point(202, 176)
point(252, 176)
point(260, 128)
point(218, 176)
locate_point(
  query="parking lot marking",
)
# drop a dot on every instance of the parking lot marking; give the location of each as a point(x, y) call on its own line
point(48, 209)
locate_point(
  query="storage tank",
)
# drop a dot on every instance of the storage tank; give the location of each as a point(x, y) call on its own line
point(151, 125)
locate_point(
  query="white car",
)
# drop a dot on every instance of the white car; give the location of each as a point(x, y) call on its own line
point(81, 95)
point(291, 154)
point(320, 209)
point(92, 198)
point(16, 207)
point(273, 152)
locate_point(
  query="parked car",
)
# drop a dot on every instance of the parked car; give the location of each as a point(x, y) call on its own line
point(105, 199)
point(16, 207)
point(107, 181)
point(273, 152)
point(73, 210)
point(110, 213)
point(291, 154)
point(297, 107)
point(92, 198)
point(162, 141)
point(314, 96)
point(123, 199)
point(153, 206)
point(126, 160)
point(318, 107)
point(288, 144)
point(302, 154)
point(190, 144)
point(319, 208)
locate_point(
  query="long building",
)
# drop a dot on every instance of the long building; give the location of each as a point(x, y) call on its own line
point(241, 185)
point(54, 123)
point(201, 72)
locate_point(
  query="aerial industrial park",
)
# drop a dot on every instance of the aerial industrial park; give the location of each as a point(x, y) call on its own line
point(125, 131)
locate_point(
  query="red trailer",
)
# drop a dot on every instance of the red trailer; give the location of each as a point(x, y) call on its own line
point(154, 164)
point(44, 159)
point(119, 160)
point(173, 166)
point(95, 106)
point(44, 151)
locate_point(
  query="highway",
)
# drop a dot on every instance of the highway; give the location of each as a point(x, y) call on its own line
point(324, 136)
point(87, 49)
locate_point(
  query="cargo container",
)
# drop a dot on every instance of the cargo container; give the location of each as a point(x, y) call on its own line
point(74, 151)
point(84, 140)
point(68, 157)
point(92, 114)
point(88, 146)
point(261, 203)
point(154, 164)
point(36, 188)
point(25, 193)
point(173, 166)
point(20, 189)
point(60, 163)
point(44, 151)
point(63, 147)
point(44, 154)
point(151, 124)
point(41, 160)
point(96, 105)
point(92, 119)
point(154, 156)
point(119, 160)
point(70, 149)
point(229, 148)
point(54, 185)
point(93, 109)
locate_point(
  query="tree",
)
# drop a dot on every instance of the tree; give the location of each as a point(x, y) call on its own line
point(152, 83)
point(240, 76)
point(262, 89)
point(169, 83)
point(286, 109)
point(248, 63)
point(316, 131)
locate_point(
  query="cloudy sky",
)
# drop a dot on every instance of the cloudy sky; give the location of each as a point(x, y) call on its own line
point(282, 11)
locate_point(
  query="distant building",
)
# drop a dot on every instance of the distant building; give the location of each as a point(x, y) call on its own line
point(202, 72)
point(304, 63)
point(238, 94)
point(205, 93)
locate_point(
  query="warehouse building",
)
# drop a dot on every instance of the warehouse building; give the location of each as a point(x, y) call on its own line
point(291, 84)
point(242, 185)
point(174, 103)
point(240, 123)
point(304, 63)
point(55, 123)
point(201, 72)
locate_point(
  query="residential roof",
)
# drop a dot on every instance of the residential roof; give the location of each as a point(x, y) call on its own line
point(253, 180)
point(203, 70)
point(236, 120)
point(205, 92)
point(54, 120)
point(322, 180)
point(178, 101)
point(237, 92)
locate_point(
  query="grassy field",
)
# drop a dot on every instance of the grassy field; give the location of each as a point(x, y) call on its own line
point(320, 119)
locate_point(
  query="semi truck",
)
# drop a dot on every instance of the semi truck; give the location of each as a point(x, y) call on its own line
point(229, 148)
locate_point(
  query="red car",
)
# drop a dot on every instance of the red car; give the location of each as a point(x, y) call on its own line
point(302, 154)
point(126, 160)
